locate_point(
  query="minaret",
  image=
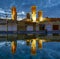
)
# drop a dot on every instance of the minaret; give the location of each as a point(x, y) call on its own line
point(33, 8)
point(28, 15)
point(40, 16)
point(14, 13)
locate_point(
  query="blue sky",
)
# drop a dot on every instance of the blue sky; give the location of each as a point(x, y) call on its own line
point(50, 8)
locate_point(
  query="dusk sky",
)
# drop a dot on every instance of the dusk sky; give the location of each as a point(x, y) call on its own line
point(50, 8)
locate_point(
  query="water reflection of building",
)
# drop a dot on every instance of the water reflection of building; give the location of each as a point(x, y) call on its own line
point(50, 25)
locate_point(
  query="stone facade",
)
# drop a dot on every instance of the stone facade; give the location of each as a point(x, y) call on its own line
point(49, 25)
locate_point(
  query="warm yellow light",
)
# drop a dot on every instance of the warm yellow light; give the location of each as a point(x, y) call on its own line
point(40, 16)
point(33, 13)
point(41, 19)
point(13, 47)
point(33, 47)
point(14, 13)
point(34, 18)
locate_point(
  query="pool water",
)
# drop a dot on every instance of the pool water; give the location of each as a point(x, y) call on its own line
point(50, 50)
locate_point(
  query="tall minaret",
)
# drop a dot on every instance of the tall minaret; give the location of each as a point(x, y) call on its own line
point(14, 13)
point(33, 8)
point(40, 16)
point(28, 15)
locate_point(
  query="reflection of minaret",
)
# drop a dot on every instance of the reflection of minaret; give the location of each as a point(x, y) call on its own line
point(33, 8)
point(13, 46)
point(33, 47)
point(40, 16)
point(14, 13)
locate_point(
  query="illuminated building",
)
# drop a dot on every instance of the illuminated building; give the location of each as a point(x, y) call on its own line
point(33, 9)
point(14, 13)
point(51, 26)
point(26, 29)
point(40, 17)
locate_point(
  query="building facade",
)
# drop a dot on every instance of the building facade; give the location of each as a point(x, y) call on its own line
point(50, 28)
point(30, 27)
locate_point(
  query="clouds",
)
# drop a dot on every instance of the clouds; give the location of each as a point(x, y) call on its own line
point(2, 11)
point(20, 18)
point(21, 13)
point(24, 6)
